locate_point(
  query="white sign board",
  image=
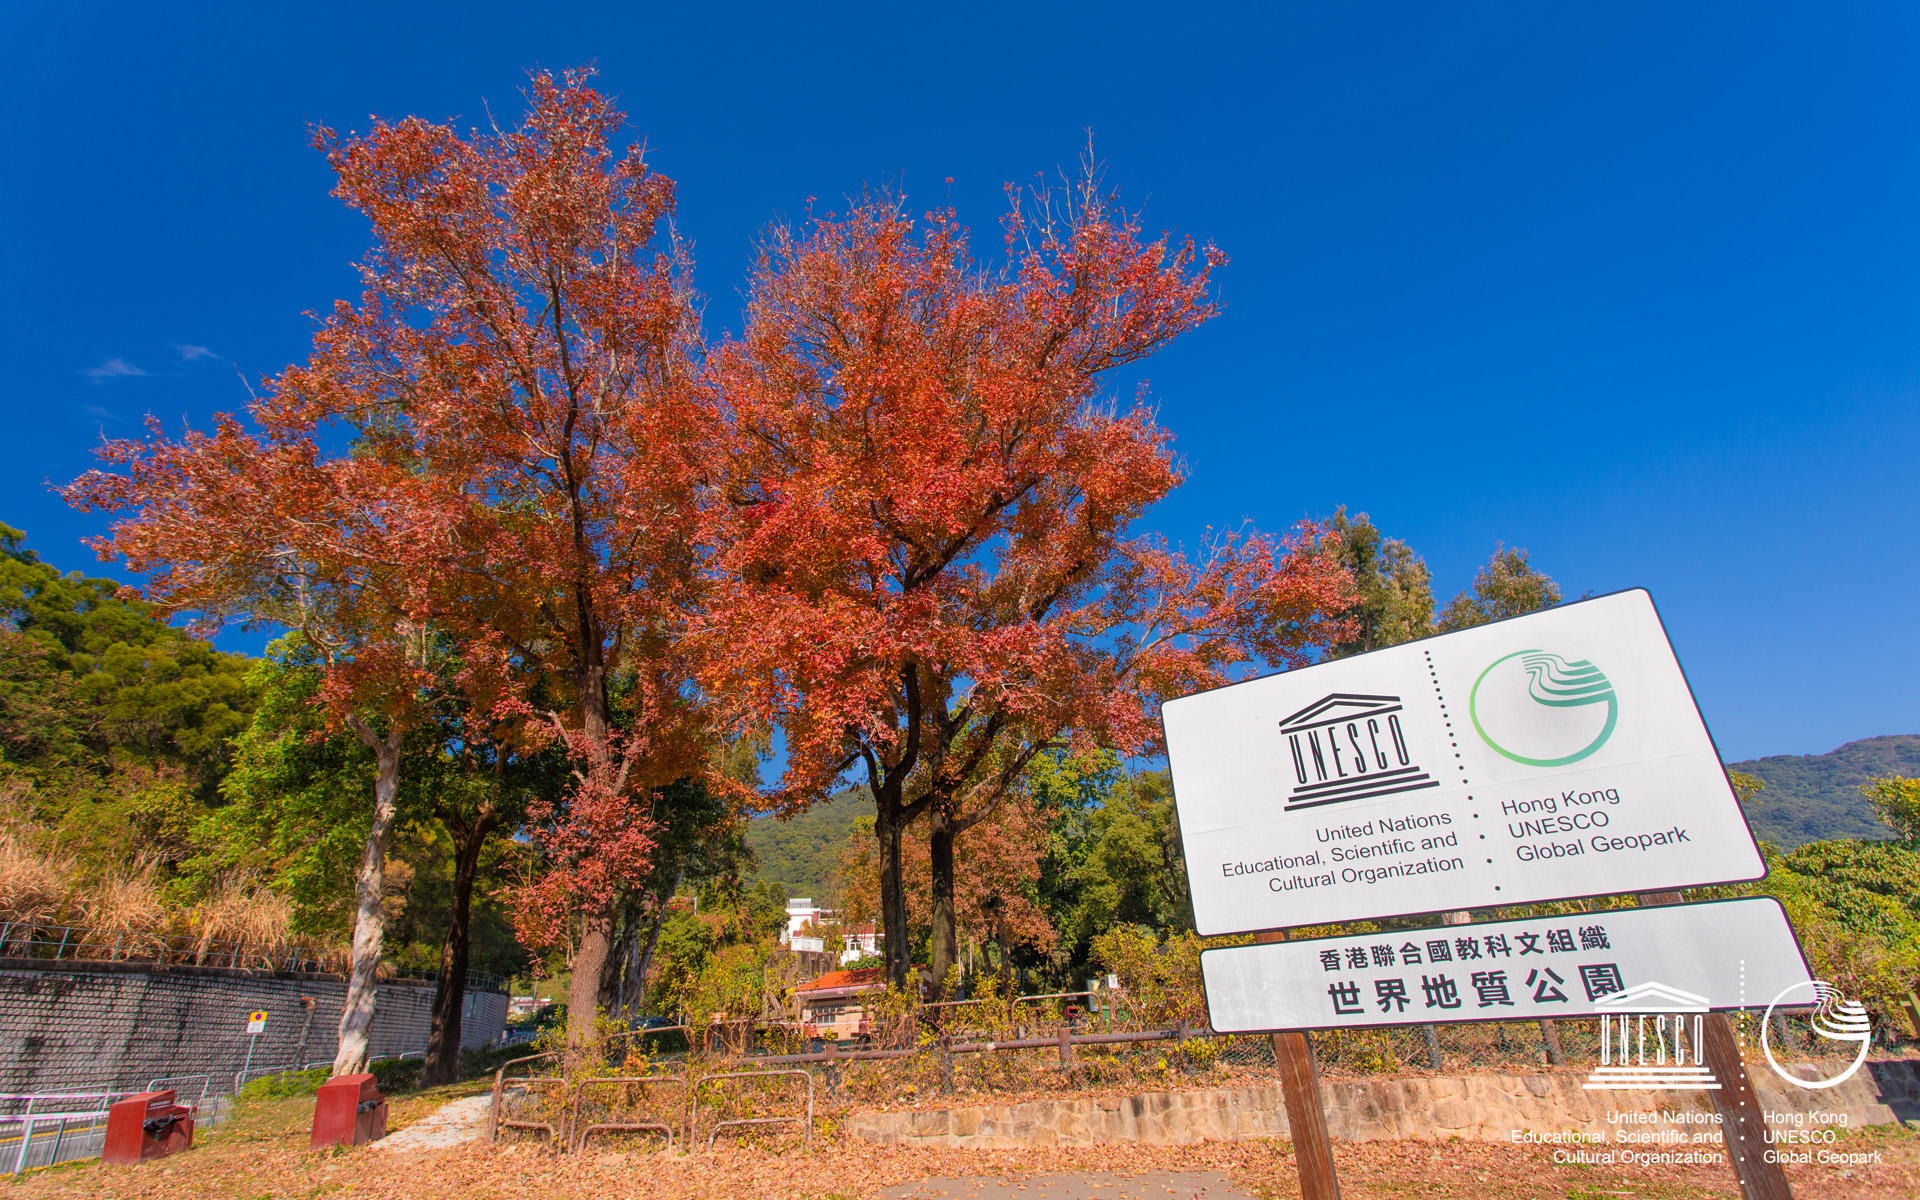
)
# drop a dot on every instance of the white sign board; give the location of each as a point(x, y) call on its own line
point(257, 1022)
point(1546, 757)
point(1693, 957)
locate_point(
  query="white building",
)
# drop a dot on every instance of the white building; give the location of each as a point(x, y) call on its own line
point(802, 912)
point(806, 930)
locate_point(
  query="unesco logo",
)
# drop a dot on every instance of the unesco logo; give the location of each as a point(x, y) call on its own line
point(1540, 709)
point(1647, 1035)
point(1350, 747)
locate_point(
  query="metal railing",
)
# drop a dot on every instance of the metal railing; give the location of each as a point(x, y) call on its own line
point(54, 1127)
point(1035, 1051)
point(559, 1108)
point(43, 1129)
point(28, 939)
point(803, 1119)
point(632, 1084)
point(190, 1090)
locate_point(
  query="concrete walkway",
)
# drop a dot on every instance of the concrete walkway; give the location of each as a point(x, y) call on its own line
point(453, 1123)
point(1102, 1185)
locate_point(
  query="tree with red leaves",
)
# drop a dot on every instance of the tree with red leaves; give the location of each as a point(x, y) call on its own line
point(927, 572)
point(528, 327)
point(262, 528)
point(522, 350)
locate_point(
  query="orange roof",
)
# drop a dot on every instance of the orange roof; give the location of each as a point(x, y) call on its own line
point(864, 977)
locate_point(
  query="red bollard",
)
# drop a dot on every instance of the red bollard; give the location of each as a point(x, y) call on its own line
point(147, 1125)
point(348, 1111)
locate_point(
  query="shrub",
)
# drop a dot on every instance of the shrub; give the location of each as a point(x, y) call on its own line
point(291, 1083)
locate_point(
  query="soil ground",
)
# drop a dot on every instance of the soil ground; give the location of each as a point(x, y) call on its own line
point(261, 1154)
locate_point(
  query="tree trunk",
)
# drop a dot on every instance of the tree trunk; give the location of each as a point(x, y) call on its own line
point(595, 949)
point(653, 940)
point(449, 995)
point(619, 941)
point(589, 968)
point(626, 953)
point(893, 894)
point(943, 951)
point(370, 916)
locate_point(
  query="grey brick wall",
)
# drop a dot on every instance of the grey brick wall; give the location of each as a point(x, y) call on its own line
point(119, 1025)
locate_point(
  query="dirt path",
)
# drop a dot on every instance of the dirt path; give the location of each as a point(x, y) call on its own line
point(452, 1124)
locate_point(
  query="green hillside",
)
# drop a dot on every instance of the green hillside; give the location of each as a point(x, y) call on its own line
point(1813, 797)
point(801, 853)
point(1808, 798)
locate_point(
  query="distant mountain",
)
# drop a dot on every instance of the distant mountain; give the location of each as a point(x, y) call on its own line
point(1814, 797)
point(803, 853)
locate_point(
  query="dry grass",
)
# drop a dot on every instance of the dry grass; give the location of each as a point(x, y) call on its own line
point(251, 917)
point(33, 886)
point(124, 916)
point(127, 904)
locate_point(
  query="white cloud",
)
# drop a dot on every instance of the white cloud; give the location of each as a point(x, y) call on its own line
point(110, 369)
point(189, 352)
point(94, 410)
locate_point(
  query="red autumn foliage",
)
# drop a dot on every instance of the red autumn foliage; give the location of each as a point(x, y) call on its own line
point(927, 572)
point(516, 378)
point(347, 550)
point(527, 326)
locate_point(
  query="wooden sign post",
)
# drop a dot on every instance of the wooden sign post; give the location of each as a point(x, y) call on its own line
point(1306, 1119)
point(1743, 1123)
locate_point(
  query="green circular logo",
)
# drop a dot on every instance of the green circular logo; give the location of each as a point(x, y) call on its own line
point(1547, 715)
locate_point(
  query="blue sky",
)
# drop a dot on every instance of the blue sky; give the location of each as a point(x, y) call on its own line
point(1636, 287)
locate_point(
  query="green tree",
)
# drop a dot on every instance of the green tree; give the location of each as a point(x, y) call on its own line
point(711, 951)
point(114, 727)
point(1507, 586)
point(1856, 906)
point(1746, 787)
point(1395, 587)
point(1113, 856)
point(298, 799)
point(699, 844)
point(1896, 801)
point(299, 802)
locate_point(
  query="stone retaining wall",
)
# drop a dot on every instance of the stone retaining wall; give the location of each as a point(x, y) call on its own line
point(1479, 1108)
point(112, 1025)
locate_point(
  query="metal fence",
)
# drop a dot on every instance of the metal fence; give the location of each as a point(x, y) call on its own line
point(649, 1085)
point(25, 939)
point(42, 1129)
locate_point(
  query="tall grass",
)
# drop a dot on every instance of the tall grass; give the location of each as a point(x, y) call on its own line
point(124, 916)
point(252, 917)
point(128, 904)
point(33, 886)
